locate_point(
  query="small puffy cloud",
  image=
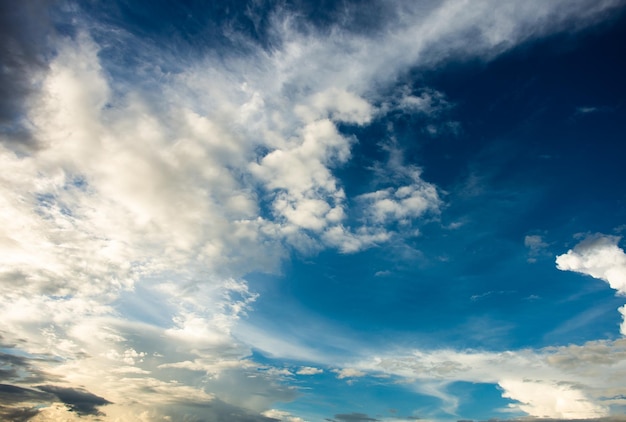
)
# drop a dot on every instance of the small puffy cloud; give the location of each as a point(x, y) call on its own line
point(128, 356)
point(536, 246)
point(534, 242)
point(401, 204)
point(349, 373)
point(348, 241)
point(427, 101)
point(454, 225)
point(309, 370)
point(600, 257)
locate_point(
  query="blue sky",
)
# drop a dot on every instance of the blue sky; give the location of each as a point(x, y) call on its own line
point(340, 211)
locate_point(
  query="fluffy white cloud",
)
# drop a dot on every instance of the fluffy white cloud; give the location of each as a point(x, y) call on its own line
point(348, 373)
point(401, 204)
point(308, 370)
point(600, 257)
point(551, 400)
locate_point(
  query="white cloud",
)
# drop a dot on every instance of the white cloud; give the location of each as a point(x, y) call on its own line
point(363, 237)
point(558, 382)
point(282, 416)
point(429, 102)
point(409, 197)
point(339, 105)
point(401, 204)
point(551, 400)
point(348, 373)
point(586, 110)
point(565, 382)
point(536, 247)
point(308, 370)
point(600, 257)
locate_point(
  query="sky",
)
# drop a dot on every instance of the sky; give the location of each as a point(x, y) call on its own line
point(297, 210)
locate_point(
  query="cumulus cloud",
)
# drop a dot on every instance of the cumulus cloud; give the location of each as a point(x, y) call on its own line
point(599, 256)
point(308, 370)
point(403, 203)
point(544, 399)
point(536, 247)
point(348, 373)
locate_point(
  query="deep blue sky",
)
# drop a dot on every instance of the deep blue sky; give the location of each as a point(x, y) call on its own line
point(295, 211)
point(546, 168)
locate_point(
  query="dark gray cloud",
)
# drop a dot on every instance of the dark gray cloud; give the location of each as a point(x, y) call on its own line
point(18, 414)
point(15, 399)
point(354, 417)
point(19, 403)
point(24, 369)
point(77, 400)
point(13, 394)
point(24, 28)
